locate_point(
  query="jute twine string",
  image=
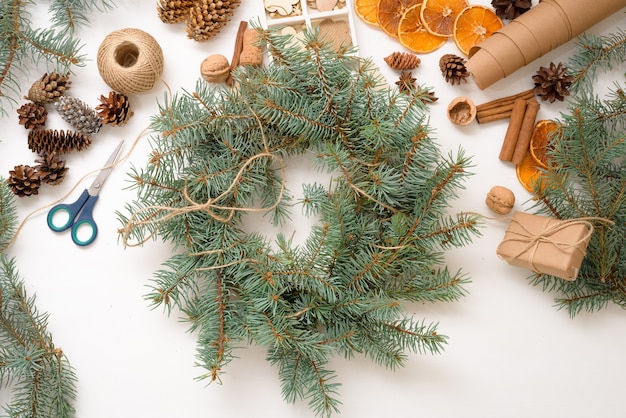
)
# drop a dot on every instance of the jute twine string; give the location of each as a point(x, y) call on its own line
point(544, 236)
point(157, 214)
point(75, 186)
point(130, 61)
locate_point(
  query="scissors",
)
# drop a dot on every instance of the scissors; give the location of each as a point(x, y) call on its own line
point(79, 214)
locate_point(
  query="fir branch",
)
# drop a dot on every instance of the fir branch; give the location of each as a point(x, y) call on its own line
point(595, 53)
point(587, 178)
point(22, 47)
point(378, 240)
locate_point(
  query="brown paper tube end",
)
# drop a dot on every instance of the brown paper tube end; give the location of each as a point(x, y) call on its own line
point(484, 68)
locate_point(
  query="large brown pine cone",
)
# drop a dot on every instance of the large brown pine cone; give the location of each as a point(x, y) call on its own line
point(49, 88)
point(32, 115)
point(510, 9)
point(24, 180)
point(174, 11)
point(114, 109)
point(207, 17)
point(453, 69)
point(51, 168)
point(552, 83)
point(48, 141)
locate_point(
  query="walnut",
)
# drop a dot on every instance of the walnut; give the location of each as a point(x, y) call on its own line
point(500, 200)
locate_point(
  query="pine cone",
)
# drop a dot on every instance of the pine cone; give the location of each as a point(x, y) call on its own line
point(48, 141)
point(115, 109)
point(51, 168)
point(49, 88)
point(552, 83)
point(78, 114)
point(24, 180)
point(510, 9)
point(32, 115)
point(207, 17)
point(174, 11)
point(403, 61)
point(453, 69)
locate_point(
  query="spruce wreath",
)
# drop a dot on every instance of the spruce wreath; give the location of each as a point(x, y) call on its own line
point(381, 224)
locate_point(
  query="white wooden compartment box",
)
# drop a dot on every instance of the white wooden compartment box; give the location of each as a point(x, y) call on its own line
point(332, 18)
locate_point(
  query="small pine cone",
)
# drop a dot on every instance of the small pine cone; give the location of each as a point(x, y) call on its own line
point(32, 115)
point(115, 109)
point(49, 88)
point(48, 141)
point(207, 17)
point(78, 114)
point(51, 168)
point(174, 11)
point(403, 61)
point(510, 9)
point(552, 83)
point(453, 69)
point(24, 180)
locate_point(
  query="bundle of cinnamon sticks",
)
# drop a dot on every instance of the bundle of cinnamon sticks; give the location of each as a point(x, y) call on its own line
point(500, 108)
point(519, 132)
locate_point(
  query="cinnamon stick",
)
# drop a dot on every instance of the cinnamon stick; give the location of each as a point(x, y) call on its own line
point(512, 132)
point(243, 25)
point(504, 101)
point(493, 118)
point(526, 131)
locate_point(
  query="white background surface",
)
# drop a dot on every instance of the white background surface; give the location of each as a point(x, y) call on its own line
point(510, 352)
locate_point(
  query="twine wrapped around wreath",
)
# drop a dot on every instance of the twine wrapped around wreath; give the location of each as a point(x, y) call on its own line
point(130, 61)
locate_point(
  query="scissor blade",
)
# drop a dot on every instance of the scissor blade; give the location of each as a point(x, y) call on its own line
point(95, 187)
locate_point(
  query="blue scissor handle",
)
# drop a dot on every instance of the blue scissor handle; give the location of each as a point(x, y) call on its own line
point(80, 213)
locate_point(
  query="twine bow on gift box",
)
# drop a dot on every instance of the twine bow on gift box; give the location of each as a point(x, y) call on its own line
point(532, 238)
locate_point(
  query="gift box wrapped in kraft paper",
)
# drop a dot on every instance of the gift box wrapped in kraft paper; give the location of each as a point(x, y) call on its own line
point(546, 245)
point(544, 27)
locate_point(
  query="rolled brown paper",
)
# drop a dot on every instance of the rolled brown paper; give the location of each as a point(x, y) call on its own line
point(544, 27)
point(525, 132)
point(512, 131)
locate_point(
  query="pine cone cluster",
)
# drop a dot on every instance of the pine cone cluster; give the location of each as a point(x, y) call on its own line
point(78, 114)
point(453, 69)
point(203, 18)
point(49, 141)
point(511, 9)
point(114, 109)
point(49, 88)
point(32, 115)
point(552, 82)
point(403, 61)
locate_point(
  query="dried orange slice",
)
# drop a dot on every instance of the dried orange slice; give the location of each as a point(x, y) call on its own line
point(414, 36)
point(529, 174)
point(473, 25)
point(367, 10)
point(438, 16)
point(540, 141)
point(390, 12)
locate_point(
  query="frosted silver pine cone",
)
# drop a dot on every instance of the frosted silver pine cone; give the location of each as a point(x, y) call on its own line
point(78, 114)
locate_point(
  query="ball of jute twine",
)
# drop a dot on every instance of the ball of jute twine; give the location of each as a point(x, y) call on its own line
point(130, 61)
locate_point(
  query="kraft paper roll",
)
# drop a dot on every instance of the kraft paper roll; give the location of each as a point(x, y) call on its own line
point(543, 28)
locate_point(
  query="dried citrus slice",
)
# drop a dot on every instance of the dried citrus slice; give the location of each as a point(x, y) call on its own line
point(414, 36)
point(390, 12)
point(473, 25)
point(438, 16)
point(540, 141)
point(529, 174)
point(367, 10)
